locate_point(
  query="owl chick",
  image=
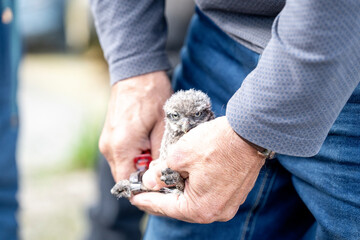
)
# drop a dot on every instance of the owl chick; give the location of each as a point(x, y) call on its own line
point(183, 111)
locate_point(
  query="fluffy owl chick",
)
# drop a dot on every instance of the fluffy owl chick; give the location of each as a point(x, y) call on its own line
point(184, 110)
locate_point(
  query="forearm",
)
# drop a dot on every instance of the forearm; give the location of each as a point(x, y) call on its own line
point(305, 76)
point(132, 35)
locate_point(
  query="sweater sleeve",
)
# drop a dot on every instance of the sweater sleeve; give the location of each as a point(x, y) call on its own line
point(132, 35)
point(306, 73)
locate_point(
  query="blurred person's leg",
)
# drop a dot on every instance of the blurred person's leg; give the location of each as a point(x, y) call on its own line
point(9, 59)
point(111, 218)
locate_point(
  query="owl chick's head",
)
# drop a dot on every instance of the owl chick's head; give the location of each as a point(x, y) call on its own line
point(187, 109)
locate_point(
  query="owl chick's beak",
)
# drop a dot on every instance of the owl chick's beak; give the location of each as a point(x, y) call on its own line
point(185, 127)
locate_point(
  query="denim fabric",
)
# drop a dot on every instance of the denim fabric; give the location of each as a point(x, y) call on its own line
point(329, 183)
point(309, 198)
point(9, 58)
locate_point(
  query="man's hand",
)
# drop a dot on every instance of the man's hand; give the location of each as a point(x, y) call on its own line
point(220, 170)
point(134, 121)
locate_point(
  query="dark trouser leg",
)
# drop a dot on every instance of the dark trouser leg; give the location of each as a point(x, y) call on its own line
point(112, 219)
point(9, 60)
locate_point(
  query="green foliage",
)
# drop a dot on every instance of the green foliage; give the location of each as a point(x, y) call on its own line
point(85, 150)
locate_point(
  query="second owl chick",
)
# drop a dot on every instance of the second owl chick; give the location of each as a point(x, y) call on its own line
point(184, 110)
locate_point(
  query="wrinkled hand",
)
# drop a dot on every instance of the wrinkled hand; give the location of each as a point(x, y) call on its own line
point(134, 121)
point(220, 170)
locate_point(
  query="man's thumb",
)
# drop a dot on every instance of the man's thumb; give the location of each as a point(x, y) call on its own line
point(151, 178)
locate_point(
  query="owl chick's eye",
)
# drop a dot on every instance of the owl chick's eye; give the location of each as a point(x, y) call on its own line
point(198, 114)
point(174, 116)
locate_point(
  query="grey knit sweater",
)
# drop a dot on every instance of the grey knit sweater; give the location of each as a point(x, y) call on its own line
point(309, 67)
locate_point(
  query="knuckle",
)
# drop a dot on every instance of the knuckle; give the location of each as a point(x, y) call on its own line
point(103, 145)
point(176, 159)
point(118, 141)
point(205, 212)
point(112, 144)
point(227, 216)
point(216, 213)
point(207, 217)
point(120, 153)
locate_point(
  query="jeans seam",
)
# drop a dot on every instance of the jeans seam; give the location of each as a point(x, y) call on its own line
point(266, 196)
point(258, 197)
point(263, 195)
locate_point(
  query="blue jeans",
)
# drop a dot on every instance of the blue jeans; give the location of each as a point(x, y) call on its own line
point(9, 59)
point(293, 198)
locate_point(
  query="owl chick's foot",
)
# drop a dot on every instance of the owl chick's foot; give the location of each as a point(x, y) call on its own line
point(172, 178)
point(122, 189)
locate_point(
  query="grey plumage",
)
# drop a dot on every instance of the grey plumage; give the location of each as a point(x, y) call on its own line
point(183, 111)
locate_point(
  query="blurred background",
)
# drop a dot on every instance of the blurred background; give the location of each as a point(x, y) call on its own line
point(63, 93)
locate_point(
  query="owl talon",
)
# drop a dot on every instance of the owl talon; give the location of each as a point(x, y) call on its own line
point(172, 178)
point(122, 189)
point(169, 176)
